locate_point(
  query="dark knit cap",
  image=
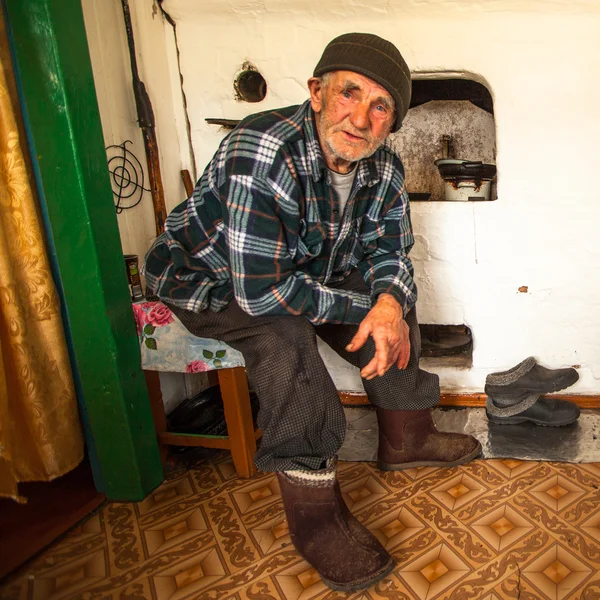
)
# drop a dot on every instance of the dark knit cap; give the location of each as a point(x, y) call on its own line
point(374, 58)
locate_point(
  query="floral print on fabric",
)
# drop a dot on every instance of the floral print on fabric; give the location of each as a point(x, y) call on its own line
point(159, 315)
point(148, 317)
point(40, 428)
point(166, 345)
point(197, 366)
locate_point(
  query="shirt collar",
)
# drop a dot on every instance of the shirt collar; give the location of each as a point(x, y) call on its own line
point(366, 173)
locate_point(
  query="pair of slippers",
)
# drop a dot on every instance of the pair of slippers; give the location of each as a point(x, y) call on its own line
point(515, 396)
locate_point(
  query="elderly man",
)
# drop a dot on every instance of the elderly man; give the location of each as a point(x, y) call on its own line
point(298, 228)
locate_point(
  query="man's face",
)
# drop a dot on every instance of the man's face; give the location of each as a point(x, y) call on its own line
point(354, 115)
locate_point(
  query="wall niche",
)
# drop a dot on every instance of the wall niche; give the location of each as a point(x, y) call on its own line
point(448, 119)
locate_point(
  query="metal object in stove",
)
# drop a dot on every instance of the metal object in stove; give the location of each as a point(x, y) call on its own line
point(465, 179)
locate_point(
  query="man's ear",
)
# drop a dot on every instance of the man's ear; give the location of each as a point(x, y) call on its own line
point(315, 87)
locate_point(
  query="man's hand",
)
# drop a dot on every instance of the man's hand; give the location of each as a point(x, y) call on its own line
point(386, 325)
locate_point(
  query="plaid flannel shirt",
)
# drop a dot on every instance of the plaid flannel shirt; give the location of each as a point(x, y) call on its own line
point(262, 225)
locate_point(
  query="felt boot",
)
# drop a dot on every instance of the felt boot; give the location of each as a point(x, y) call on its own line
point(528, 378)
point(408, 438)
point(344, 553)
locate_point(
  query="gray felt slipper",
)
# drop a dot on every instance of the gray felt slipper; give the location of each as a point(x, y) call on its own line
point(548, 412)
point(527, 378)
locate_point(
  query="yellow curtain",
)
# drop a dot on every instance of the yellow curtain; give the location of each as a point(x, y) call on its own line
point(40, 432)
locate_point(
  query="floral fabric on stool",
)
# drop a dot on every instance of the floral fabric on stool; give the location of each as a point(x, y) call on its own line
point(166, 345)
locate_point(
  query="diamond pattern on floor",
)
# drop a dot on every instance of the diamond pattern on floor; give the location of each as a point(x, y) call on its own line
point(488, 530)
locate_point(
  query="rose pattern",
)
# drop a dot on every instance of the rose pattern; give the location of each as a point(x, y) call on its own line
point(156, 324)
point(197, 366)
point(159, 315)
point(149, 316)
point(138, 315)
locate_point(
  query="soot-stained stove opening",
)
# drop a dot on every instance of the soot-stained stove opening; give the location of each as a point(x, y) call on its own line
point(447, 344)
point(447, 141)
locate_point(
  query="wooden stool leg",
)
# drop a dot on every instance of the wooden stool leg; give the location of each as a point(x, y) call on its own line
point(238, 416)
point(158, 409)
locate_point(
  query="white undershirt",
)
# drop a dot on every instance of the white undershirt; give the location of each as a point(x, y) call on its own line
point(342, 183)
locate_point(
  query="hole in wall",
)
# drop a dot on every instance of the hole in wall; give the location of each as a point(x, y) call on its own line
point(427, 90)
point(450, 345)
point(450, 119)
point(250, 85)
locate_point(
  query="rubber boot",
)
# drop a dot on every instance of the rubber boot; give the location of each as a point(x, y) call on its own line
point(347, 556)
point(408, 439)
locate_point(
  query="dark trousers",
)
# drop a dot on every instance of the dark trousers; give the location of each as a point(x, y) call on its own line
point(301, 416)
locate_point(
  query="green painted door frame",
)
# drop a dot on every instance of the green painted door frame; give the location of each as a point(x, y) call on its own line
point(59, 97)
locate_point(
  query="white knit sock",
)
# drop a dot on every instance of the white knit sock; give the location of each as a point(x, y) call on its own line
point(315, 477)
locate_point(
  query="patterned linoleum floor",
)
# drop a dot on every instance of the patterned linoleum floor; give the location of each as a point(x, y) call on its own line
point(488, 530)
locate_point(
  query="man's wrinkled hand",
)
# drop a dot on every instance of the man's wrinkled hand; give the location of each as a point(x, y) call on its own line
point(386, 325)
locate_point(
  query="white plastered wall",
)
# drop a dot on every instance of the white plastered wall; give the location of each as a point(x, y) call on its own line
point(157, 65)
point(540, 60)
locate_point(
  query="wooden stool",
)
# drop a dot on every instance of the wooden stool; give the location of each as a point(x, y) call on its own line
point(165, 345)
point(241, 438)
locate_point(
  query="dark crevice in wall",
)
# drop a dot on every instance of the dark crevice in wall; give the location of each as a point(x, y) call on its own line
point(426, 90)
point(445, 340)
point(188, 125)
